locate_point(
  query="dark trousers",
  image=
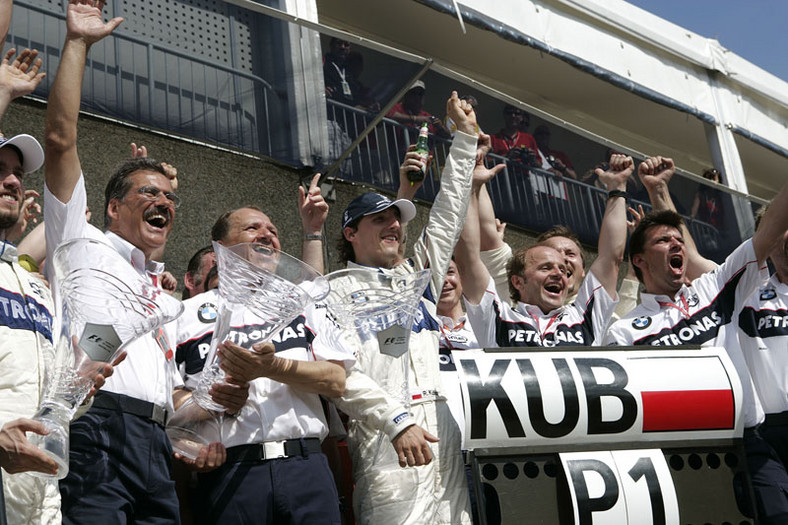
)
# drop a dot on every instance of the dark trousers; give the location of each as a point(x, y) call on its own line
point(775, 431)
point(769, 479)
point(120, 471)
point(294, 490)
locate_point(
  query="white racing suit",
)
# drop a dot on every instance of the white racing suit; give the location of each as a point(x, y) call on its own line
point(25, 347)
point(437, 493)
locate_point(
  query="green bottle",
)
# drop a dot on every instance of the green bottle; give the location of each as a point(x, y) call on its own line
point(423, 149)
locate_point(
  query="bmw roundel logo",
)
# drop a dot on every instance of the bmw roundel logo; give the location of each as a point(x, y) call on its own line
point(767, 294)
point(641, 323)
point(693, 300)
point(206, 313)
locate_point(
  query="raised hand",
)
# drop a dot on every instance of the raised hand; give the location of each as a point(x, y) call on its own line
point(637, 216)
point(413, 162)
point(138, 152)
point(617, 174)
point(655, 171)
point(461, 112)
point(84, 21)
point(312, 206)
point(20, 77)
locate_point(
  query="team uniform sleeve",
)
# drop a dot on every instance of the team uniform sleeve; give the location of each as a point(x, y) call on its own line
point(617, 335)
point(435, 246)
point(66, 220)
point(742, 259)
point(495, 261)
point(367, 402)
point(627, 298)
point(483, 316)
point(592, 295)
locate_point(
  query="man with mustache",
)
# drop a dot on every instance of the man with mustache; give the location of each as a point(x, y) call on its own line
point(120, 454)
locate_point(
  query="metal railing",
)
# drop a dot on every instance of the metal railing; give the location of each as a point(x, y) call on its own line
point(530, 198)
point(149, 83)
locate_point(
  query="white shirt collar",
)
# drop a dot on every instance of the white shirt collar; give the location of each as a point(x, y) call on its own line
point(128, 251)
point(651, 301)
point(448, 321)
point(8, 252)
point(535, 311)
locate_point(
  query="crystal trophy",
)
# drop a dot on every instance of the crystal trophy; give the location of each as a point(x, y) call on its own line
point(375, 313)
point(103, 305)
point(256, 279)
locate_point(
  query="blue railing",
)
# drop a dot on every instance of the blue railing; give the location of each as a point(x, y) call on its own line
point(530, 198)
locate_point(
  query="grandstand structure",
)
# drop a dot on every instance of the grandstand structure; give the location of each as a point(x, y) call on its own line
point(240, 83)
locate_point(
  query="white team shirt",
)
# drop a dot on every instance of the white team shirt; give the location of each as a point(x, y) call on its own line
point(454, 336)
point(146, 373)
point(700, 314)
point(274, 410)
point(581, 323)
point(763, 334)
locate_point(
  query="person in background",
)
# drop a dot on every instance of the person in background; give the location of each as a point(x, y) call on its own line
point(410, 111)
point(513, 141)
point(556, 161)
point(195, 278)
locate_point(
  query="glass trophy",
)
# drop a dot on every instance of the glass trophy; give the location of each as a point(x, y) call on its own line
point(103, 305)
point(375, 313)
point(254, 280)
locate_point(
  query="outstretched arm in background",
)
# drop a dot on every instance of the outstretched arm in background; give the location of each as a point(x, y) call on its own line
point(473, 272)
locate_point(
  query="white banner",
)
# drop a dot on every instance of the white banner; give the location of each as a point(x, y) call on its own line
point(549, 398)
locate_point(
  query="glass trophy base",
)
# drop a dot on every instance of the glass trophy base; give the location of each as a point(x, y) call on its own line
point(54, 445)
point(186, 442)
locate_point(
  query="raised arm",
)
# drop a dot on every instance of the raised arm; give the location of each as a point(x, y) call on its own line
point(655, 174)
point(84, 27)
point(613, 232)
point(314, 211)
point(773, 226)
point(474, 274)
point(436, 243)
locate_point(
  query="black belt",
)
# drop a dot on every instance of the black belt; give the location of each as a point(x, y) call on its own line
point(273, 450)
point(777, 419)
point(131, 405)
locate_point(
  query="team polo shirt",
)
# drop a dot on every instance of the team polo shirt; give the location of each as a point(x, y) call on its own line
point(582, 323)
point(148, 372)
point(454, 336)
point(274, 410)
point(703, 314)
point(763, 334)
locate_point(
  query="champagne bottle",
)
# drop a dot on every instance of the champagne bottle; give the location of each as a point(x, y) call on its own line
point(423, 149)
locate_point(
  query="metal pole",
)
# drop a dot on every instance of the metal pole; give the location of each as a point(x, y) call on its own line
point(3, 520)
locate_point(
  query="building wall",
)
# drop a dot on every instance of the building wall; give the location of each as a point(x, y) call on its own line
point(211, 182)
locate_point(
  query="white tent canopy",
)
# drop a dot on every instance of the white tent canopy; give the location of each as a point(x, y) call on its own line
point(605, 66)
